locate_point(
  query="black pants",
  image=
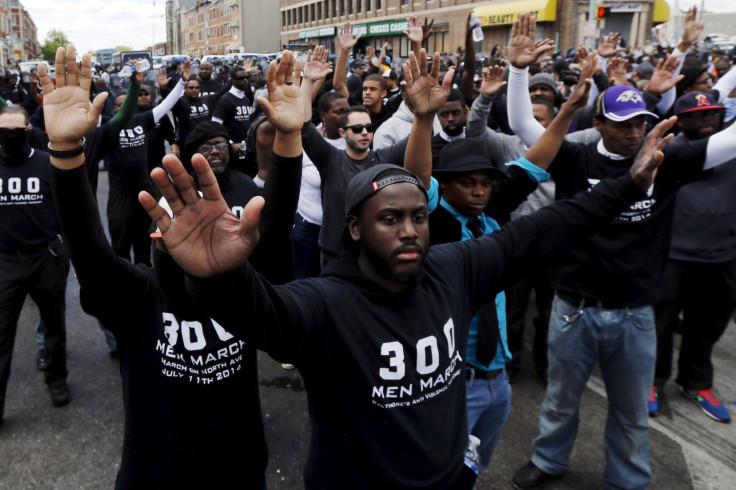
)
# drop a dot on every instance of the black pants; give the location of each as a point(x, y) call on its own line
point(43, 276)
point(129, 226)
point(705, 294)
point(518, 302)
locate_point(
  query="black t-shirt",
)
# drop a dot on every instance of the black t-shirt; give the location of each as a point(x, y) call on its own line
point(235, 115)
point(27, 212)
point(128, 166)
point(210, 87)
point(623, 263)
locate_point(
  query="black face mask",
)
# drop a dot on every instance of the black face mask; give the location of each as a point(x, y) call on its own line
point(14, 145)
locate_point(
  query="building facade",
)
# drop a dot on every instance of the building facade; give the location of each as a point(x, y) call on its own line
point(313, 22)
point(200, 27)
point(21, 37)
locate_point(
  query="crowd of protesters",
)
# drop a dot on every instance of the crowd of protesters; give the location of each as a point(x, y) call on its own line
point(380, 225)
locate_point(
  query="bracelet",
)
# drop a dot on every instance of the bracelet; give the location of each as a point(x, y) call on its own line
point(62, 154)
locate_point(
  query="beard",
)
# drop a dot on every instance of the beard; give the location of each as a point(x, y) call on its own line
point(406, 275)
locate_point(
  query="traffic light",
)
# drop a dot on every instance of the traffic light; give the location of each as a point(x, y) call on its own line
point(601, 12)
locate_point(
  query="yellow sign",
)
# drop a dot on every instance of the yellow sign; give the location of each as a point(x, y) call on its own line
point(505, 13)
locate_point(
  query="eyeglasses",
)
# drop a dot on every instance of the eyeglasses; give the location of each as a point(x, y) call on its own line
point(208, 148)
point(358, 128)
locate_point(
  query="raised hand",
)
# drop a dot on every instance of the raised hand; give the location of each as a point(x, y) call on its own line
point(284, 107)
point(248, 65)
point(422, 87)
point(662, 80)
point(186, 70)
point(427, 28)
point(415, 32)
point(379, 61)
point(66, 108)
point(579, 97)
point(163, 78)
point(317, 66)
point(617, 69)
point(589, 64)
point(492, 80)
point(523, 50)
point(136, 77)
point(650, 157)
point(347, 41)
point(607, 47)
point(203, 235)
point(692, 30)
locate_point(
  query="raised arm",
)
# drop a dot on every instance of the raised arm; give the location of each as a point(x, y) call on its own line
point(427, 96)
point(128, 107)
point(478, 118)
point(523, 52)
point(168, 103)
point(546, 147)
point(347, 42)
point(316, 68)
point(466, 81)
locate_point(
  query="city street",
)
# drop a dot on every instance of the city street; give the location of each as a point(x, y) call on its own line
point(78, 446)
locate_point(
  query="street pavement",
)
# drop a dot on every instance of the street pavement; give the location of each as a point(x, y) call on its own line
point(78, 446)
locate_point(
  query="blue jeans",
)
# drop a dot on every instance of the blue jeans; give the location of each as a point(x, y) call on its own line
point(488, 405)
point(624, 342)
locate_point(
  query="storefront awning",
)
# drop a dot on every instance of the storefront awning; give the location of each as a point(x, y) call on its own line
point(661, 11)
point(506, 12)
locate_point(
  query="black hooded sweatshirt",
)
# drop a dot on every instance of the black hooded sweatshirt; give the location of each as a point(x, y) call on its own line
point(384, 371)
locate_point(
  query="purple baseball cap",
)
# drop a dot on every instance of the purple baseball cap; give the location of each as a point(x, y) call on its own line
point(622, 102)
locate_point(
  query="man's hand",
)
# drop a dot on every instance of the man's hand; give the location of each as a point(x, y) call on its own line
point(67, 112)
point(248, 65)
point(203, 236)
point(422, 88)
point(284, 107)
point(617, 70)
point(692, 30)
point(589, 64)
point(136, 78)
point(607, 47)
point(346, 36)
point(317, 66)
point(427, 29)
point(163, 78)
point(579, 97)
point(523, 50)
point(492, 80)
point(379, 62)
point(175, 149)
point(650, 157)
point(662, 80)
point(186, 70)
point(415, 32)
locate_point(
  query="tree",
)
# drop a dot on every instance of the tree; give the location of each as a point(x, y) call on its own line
point(55, 38)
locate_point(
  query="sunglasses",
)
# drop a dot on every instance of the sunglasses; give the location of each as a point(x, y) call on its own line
point(240, 78)
point(358, 128)
point(208, 148)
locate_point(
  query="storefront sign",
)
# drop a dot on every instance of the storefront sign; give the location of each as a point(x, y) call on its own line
point(322, 32)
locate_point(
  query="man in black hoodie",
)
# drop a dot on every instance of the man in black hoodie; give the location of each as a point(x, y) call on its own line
point(189, 386)
point(380, 337)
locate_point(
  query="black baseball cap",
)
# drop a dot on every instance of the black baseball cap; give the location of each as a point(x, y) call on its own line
point(368, 182)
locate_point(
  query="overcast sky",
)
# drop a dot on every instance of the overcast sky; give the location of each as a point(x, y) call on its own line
point(98, 24)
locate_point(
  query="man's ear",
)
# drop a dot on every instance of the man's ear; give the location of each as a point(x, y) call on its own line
point(597, 123)
point(353, 224)
point(341, 132)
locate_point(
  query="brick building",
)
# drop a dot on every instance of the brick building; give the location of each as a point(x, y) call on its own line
point(22, 37)
point(199, 27)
